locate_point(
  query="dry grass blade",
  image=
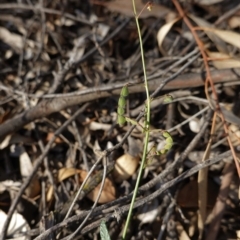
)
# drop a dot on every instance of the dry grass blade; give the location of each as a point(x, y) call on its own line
point(223, 61)
point(202, 184)
point(220, 205)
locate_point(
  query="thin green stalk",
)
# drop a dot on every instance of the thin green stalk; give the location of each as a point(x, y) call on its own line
point(146, 127)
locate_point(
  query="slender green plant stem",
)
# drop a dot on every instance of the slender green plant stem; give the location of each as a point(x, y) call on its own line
point(146, 127)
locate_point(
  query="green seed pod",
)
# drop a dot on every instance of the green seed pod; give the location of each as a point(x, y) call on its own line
point(121, 120)
point(124, 91)
point(122, 105)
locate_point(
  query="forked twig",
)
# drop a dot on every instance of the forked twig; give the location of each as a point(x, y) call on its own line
point(208, 79)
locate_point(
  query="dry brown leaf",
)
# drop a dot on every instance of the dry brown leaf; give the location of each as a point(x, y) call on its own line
point(162, 32)
point(225, 61)
point(125, 7)
point(125, 167)
point(188, 194)
point(230, 37)
point(63, 174)
point(108, 193)
point(220, 44)
point(34, 188)
point(234, 22)
point(26, 169)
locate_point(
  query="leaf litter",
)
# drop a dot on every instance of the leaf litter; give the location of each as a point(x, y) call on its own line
point(60, 57)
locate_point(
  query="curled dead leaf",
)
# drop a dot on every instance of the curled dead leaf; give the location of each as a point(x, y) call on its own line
point(108, 193)
point(163, 31)
point(34, 188)
point(63, 174)
point(125, 167)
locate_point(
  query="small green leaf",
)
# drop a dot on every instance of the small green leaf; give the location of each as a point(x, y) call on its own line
point(166, 134)
point(132, 121)
point(167, 98)
point(104, 232)
point(168, 140)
